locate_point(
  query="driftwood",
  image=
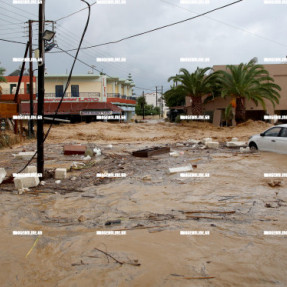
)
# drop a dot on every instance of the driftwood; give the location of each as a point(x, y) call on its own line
point(190, 278)
point(142, 227)
point(116, 260)
point(199, 211)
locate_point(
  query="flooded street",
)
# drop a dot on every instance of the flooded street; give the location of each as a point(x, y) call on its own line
point(235, 205)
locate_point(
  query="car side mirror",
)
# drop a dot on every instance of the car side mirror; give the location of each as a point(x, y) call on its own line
point(262, 134)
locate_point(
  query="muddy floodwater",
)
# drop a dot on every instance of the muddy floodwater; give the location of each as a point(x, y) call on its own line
point(149, 209)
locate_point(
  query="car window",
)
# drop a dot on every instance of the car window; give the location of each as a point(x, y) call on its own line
point(274, 132)
point(284, 133)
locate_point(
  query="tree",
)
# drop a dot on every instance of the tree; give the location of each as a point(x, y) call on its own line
point(175, 96)
point(194, 85)
point(142, 106)
point(2, 78)
point(248, 82)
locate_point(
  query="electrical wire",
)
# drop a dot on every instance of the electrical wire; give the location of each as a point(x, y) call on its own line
point(11, 41)
point(76, 12)
point(227, 24)
point(67, 84)
point(158, 28)
point(96, 69)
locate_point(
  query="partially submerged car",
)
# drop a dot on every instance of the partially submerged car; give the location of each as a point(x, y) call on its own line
point(274, 139)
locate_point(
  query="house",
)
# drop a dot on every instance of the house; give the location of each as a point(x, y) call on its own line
point(156, 99)
point(88, 97)
point(216, 107)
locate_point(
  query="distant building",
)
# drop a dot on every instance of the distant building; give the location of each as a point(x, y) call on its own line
point(216, 107)
point(156, 99)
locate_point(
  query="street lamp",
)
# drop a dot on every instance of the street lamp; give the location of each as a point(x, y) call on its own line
point(48, 35)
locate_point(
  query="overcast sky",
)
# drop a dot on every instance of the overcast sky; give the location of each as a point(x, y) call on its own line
point(229, 36)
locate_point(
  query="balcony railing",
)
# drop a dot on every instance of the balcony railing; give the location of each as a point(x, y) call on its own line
point(8, 91)
point(117, 95)
point(69, 95)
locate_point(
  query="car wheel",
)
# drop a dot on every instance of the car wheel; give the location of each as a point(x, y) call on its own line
point(253, 146)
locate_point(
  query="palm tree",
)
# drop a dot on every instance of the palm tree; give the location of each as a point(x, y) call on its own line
point(248, 82)
point(194, 85)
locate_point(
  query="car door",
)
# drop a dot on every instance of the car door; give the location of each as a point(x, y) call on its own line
point(268, 142)
point(281, 141)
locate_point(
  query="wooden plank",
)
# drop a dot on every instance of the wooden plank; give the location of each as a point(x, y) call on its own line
point(8, 110)
point(74, 149)
point(151, 151)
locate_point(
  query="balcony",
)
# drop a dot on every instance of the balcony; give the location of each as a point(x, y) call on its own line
point(117, 95)
point(69, 95)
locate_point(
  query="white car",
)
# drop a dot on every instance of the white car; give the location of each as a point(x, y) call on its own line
point(274, 139)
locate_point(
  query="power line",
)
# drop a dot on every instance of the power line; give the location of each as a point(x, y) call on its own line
point(75, 12)
point(95, 68)
point(11, 41)
point(93, 54)
point(3, 2)
point(230, 25)
point(159, 28)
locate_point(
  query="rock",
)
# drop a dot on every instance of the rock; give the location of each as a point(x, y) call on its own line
point(25, 155)
point(205, 140)
point(212, 144)
point(26, 182)
point(110, 146)
point(234, 139)
point(97, 151)
point(60, 173)
point(193, 141)
point(73, 178)
point(236, 144)
point(58, 181)
point(89, 152)
point(179, 144)
point(82, 218)
point(42, 182)
point(30, 169)
point(112, 222)
point(180, 169)
point(274, 182)
point(2, 174)
point(242, 149)
point(87, 158)
point(174, 154)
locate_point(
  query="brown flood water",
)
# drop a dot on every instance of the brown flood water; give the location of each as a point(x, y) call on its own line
point(236, 253)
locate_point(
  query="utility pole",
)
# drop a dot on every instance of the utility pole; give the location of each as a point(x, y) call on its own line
point(31, 90)
point(143, 104)
point(162, 100)
point(41, 92)
point(16, 98)
point(156, 96)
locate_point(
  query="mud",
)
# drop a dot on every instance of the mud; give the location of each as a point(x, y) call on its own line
point(235, 204)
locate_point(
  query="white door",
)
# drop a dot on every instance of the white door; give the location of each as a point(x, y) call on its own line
point(281, 141)
point(268, 142)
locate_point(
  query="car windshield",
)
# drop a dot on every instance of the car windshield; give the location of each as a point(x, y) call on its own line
point(274, 132)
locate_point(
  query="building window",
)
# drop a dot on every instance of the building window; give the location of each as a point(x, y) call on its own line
point(13, 88)
point(28, 88)
point(59, 91)
point(75, 91)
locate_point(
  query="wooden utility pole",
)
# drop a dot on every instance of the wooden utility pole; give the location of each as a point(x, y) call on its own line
point(143, 104)
point(16, 98)
point(31, 90)
point(41, 92)
point(156, 96)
